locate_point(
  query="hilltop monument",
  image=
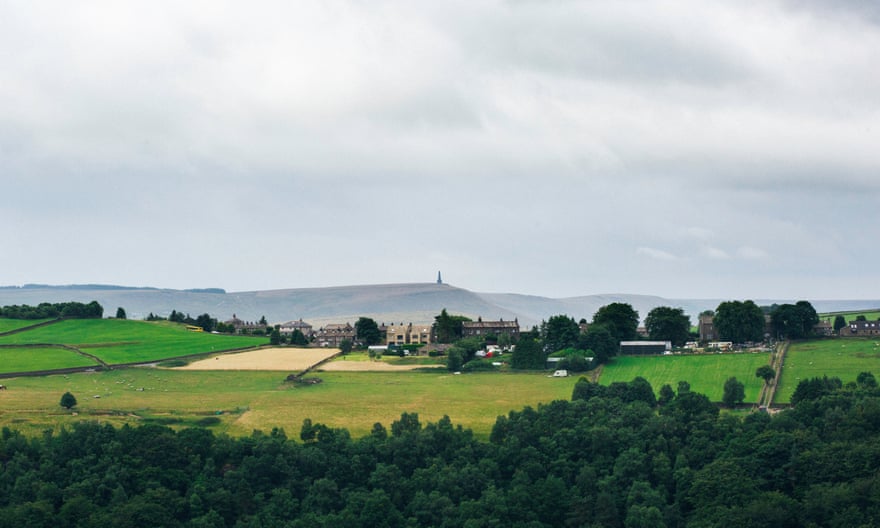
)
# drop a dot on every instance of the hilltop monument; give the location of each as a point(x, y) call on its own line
point(439, 279)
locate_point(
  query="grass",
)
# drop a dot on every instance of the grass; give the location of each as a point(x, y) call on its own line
point(844, 358)
point(118, 341)
point(261, 400)
point(43, 358)
point(7, 325)
point(871, 315)
point(705, 373)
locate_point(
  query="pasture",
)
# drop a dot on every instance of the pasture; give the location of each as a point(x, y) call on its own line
point(870, 315)
point(120, 341)
point(844, 358)
point(7, 325)
point(262, 400)
point(706, 373)
point(21, 359)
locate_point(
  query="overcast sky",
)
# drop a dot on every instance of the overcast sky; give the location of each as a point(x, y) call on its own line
point(683, 149)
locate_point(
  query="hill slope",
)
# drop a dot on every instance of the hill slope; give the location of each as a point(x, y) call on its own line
point(400, 303)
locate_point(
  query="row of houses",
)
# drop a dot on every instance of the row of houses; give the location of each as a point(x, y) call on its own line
point(331, 335)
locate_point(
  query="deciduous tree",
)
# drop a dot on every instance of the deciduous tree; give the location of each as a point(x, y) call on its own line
point(620, 319)
point(664, 323)
point(734, 392)
point(68, 400)
point(739, 321)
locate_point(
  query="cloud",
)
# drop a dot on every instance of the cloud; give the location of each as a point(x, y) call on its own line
point(714, 253)
point(657, 254)
point(751, 253)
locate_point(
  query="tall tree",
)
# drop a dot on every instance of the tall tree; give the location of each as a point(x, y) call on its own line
point(367, 331)
point(559, 332)
point(739, 321)
point(668, 324)
point(734, 392)
point(620, 319)
point(766, 373)
point(447, 328)
point(528, 354)
point(839, 322)
point(600, 342)
point(794, 321)
point(120, 313)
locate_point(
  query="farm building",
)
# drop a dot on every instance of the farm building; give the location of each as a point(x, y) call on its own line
point(631, 348)
point(484, 328)
point(860, 328)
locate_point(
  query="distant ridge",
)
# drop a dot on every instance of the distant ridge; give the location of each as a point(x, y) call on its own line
point(386, 303)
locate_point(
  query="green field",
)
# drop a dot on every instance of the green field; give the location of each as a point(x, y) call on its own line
point(17, 359)
point(705, 373)
point(844, 358)
point(261, 400)
point(872, 315)
point(7, 325)
point(118, 341)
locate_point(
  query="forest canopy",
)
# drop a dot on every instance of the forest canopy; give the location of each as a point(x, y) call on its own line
point(613, 456)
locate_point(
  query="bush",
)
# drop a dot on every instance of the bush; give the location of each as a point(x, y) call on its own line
point(478, 365)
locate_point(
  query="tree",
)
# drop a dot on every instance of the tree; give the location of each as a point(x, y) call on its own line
point(794, 321)
point(739, 321)
point(298, 338)
point(120, 313)
point(734, 392)
point(447, 328)
point(345, 346)
point(599, 340)
point(68, 400)
point(454, 359)
point(620, 319)
point(765, 372)
point(528, 354)
point(839, 322)
point(668, 324)
point(559, 332)
point(275, 337)
point(367, 331)
point(206, 322)
point(866, 380)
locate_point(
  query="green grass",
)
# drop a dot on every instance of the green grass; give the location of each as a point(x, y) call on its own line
point(119, 341)
point(844, 358)
point(705, 373)
point(7, 325)
point(261, 400)
point(871, 315)
point(29, 359)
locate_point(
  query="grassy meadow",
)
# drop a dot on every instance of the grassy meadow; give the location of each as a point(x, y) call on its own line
point(118, 341)
point(262, 400)
point(844, 358)
point(16, 359)
point(705, 373)
point(871, 315)
point(7, 325)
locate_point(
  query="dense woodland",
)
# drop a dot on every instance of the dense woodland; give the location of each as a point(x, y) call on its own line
point(607, 458)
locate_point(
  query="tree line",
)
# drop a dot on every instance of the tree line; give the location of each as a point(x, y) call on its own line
point(53, 310)
point(611, 457)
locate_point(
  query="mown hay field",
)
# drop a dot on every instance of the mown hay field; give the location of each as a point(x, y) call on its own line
point(244, 401)
point(844, 358)
point(706, 373)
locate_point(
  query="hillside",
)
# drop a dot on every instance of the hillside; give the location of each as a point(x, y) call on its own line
point(414, 302)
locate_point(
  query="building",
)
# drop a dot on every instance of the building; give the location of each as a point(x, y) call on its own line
point(860, 328)
point(497, 328)
point(332, 335)
point(408, 334)
point(707, 328)
point(823, 328)
point(291, 326)
point(645, 347)
point(245, 327)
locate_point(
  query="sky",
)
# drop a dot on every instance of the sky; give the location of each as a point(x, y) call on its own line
point(687, 149)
